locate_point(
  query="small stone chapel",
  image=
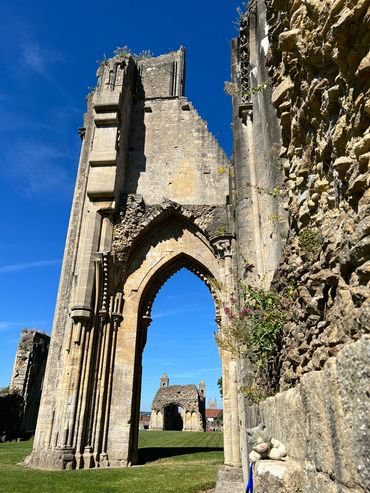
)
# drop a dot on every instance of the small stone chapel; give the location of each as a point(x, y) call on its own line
point(178, 407)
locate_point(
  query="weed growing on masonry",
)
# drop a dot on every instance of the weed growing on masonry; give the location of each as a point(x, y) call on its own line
point(272, 191)
point(220, 230)
point(121, 51)
point(254, 394)
point(240, 12)
point(275, 218)
point(233, 89)
point(255, 323)
point(310, 240)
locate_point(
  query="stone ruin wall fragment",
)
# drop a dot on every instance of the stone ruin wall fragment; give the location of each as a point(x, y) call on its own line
point(317, 60)
point(19, 405)
point(320, 70)
point(152, 196)
point(188, 397)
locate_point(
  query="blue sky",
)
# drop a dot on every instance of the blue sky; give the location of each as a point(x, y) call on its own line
point(48, 58)
point(180, 339)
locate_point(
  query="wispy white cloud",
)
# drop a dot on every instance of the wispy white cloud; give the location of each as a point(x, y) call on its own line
point(29, 324)
point(24, 55)
point(177, 310)
point(38, 167)
point(37, 58)
point(27, 265)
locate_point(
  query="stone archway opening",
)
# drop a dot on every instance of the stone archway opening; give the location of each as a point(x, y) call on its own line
point(173, 417)
point(180, 341)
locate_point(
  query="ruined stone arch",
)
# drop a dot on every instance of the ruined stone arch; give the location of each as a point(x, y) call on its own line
point(149, 199)
point(178, 422)
point(170, 269)
point(167, 246)
point(167, 401)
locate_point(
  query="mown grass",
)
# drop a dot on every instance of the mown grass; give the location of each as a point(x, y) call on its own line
point(172, 462)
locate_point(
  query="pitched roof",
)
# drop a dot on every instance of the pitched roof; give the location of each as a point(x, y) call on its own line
point(213, 413)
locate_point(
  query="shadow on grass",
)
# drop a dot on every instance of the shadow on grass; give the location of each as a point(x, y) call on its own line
point(150, 454)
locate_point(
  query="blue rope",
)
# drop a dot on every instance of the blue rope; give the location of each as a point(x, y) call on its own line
point(250, 479)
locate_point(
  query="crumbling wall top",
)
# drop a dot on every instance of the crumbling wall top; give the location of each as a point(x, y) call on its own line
point(163, 76)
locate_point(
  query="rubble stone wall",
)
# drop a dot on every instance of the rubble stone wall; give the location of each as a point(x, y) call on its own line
point(19, 403)
point(188, 397)
point(319, 66)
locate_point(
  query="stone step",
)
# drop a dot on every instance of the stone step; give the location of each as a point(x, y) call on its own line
point(230, 480)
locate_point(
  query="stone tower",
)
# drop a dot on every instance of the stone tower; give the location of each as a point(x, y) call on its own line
point(151, 197)
point(165, 381)
point(202, 388)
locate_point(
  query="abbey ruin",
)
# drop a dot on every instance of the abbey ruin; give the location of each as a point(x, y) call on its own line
point(288, 219)
point(178, 407)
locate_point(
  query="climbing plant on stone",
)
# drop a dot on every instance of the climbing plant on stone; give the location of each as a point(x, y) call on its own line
point(255, 324)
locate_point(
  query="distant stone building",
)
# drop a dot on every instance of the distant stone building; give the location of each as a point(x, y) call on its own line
point(144, 420)
point(214, 418)
point(212, 404)
point(178, 407)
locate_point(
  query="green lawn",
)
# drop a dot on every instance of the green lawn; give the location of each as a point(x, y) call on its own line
point(173, 462)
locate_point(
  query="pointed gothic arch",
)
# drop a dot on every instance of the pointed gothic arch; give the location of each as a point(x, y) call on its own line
point(168, 245)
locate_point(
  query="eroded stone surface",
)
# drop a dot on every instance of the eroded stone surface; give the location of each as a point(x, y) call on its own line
point(28, 375)
point(324, 424)
point(152, 196)
point(319, 51)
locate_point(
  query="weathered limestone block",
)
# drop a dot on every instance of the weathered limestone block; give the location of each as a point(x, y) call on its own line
point(230, 480)
point(279, 477)
point(288, 39)
point(281, 91)
point(324, 423)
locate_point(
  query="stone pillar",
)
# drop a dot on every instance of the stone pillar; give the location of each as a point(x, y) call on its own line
point(260, 218)
point(123, 398)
